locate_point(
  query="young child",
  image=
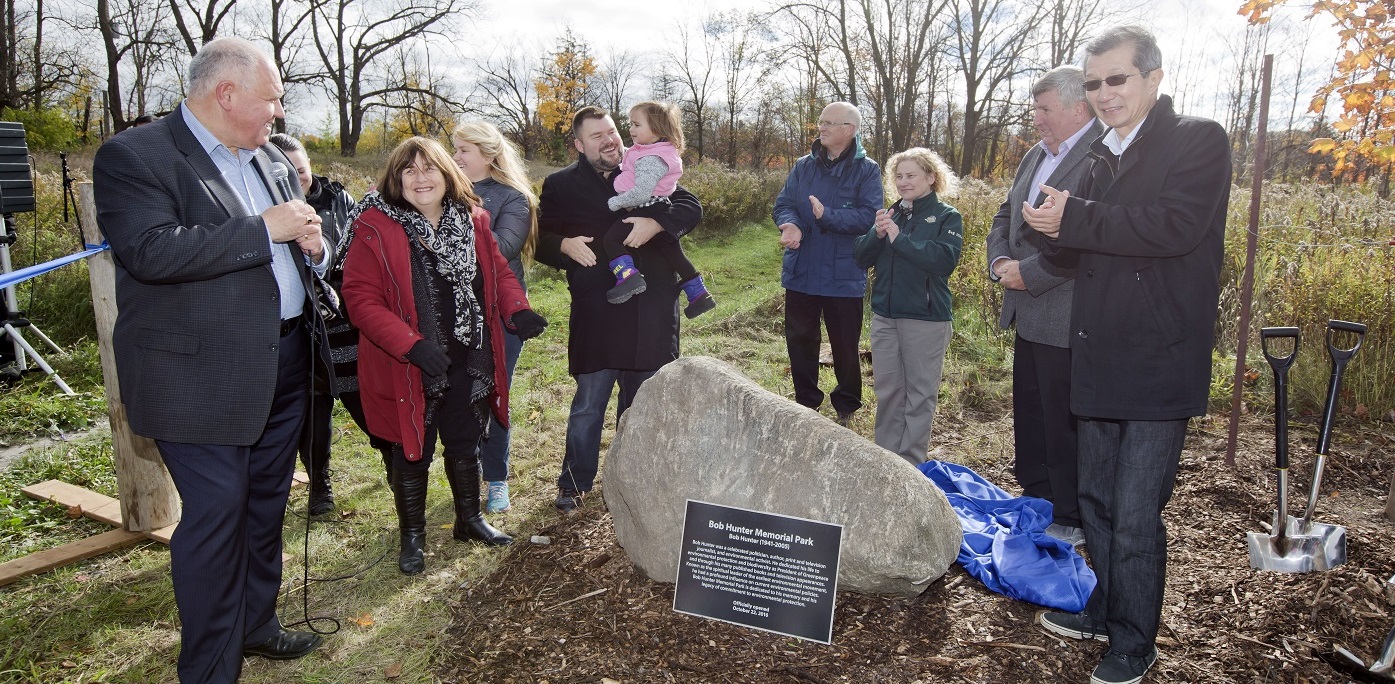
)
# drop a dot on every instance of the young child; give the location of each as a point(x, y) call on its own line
point(648, 175)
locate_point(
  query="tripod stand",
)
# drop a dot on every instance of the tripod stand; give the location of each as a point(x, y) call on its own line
point(12, 321)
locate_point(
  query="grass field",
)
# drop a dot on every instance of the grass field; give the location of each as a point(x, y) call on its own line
point(113, 619)
point(1323, 253)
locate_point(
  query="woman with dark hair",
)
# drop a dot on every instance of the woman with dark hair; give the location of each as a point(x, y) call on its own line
point(431, 295)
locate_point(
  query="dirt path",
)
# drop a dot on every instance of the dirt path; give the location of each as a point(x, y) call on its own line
point(10, 454)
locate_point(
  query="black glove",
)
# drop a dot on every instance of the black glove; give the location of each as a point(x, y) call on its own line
point(527, 324)
point(429, 357)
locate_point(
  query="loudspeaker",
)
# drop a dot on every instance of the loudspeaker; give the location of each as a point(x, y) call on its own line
point(16, 185)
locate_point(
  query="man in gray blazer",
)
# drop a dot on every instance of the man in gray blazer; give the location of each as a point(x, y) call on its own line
point(1037, 297)
point(213, 341)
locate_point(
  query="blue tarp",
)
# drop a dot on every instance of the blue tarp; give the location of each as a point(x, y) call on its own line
point(1005, 542)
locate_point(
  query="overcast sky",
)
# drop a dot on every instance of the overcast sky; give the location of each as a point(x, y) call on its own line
point(1198, 37)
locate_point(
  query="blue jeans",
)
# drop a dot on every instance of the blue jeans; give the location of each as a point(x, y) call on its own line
point(583, 455)
point(494, 450)
point(1127, 471)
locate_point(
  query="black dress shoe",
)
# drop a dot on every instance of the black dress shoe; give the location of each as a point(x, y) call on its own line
point(285, 645)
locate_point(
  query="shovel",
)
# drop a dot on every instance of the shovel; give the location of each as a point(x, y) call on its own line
point(1270, 552)
point(1301, 545)
point(1382, 670)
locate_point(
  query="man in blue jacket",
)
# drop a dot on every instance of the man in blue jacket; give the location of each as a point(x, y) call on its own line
point(830, 199)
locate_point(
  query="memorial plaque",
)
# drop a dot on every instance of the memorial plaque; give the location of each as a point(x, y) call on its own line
point(770, 572)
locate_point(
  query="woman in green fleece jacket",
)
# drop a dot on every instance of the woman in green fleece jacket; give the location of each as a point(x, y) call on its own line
point(913, 247)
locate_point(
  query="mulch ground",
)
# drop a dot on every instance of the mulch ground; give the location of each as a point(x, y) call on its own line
point(576, 610)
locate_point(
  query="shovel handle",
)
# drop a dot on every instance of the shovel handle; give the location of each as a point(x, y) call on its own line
point(1280, 366)
point(1340, 357)
point(1275, 361)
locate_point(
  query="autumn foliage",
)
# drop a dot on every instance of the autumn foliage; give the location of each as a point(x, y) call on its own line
point(1363, 81)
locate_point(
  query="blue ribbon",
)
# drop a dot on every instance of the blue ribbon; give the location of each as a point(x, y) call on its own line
point(28, 272)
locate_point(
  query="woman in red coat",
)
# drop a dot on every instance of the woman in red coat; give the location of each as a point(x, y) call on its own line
point(430, 293)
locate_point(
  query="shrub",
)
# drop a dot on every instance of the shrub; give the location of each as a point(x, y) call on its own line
point(731, 198)
point(48, 130)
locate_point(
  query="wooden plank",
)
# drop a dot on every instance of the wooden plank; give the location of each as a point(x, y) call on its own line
point(96, 506)
point(72, 552)
point(161, 535)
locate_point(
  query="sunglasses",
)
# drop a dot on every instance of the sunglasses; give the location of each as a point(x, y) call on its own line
point(1114, 81)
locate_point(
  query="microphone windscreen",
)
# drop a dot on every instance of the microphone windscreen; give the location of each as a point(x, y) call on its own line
point(280, 176)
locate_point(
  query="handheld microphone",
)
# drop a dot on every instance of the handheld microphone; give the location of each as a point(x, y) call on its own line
point(281, 175)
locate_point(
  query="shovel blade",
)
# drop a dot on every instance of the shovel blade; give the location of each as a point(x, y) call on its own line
point(1317, 548)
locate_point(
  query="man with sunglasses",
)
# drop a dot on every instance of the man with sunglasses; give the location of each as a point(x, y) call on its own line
point(1145, 236)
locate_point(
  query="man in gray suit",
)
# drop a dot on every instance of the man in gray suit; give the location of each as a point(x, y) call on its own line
point(213, 341)
point(1037, 297)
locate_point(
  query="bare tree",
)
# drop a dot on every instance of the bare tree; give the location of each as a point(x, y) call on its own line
point(352, 39)
point(1243, 101)
point(9, 53)
point(31, 68)
point(692, 67)
point(286, 23)
point(206, 16)
point(505, 94)
point(745, 65)
point(424, 106)
point(1069, 24)
point(815, 28)
point(902, 44)
point(619, 68)
point(990, 39)
point(132, 34)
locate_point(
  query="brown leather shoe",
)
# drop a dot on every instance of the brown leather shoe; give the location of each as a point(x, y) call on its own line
point(284, 645)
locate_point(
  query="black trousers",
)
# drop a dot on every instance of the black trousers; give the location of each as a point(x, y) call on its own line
point(842, 316)
point(317, 434)
point(663, 244)
point(225, 555)
point(457, 424)
point(1044, 428)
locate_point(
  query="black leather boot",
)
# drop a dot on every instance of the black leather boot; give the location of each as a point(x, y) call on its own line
point(321, 494)
point(409, 494)
point(314, 454)
point(464, 476)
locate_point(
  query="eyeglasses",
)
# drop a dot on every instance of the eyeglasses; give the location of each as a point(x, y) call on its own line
point(830, 124)
point(1114, 81)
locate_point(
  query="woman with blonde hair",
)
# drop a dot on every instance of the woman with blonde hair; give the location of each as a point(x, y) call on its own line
point(914, 247)
point(495, 168)
point(432, 296)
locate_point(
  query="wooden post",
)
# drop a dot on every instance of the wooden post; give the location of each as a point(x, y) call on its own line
point(149, 500)
point(1247, 281)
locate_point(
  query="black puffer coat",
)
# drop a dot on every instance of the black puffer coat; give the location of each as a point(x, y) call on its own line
point(333, 203)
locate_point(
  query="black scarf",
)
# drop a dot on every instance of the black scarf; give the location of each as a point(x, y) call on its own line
point(453, 244)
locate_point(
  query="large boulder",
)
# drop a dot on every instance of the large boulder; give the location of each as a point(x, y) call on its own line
point(701, 430)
